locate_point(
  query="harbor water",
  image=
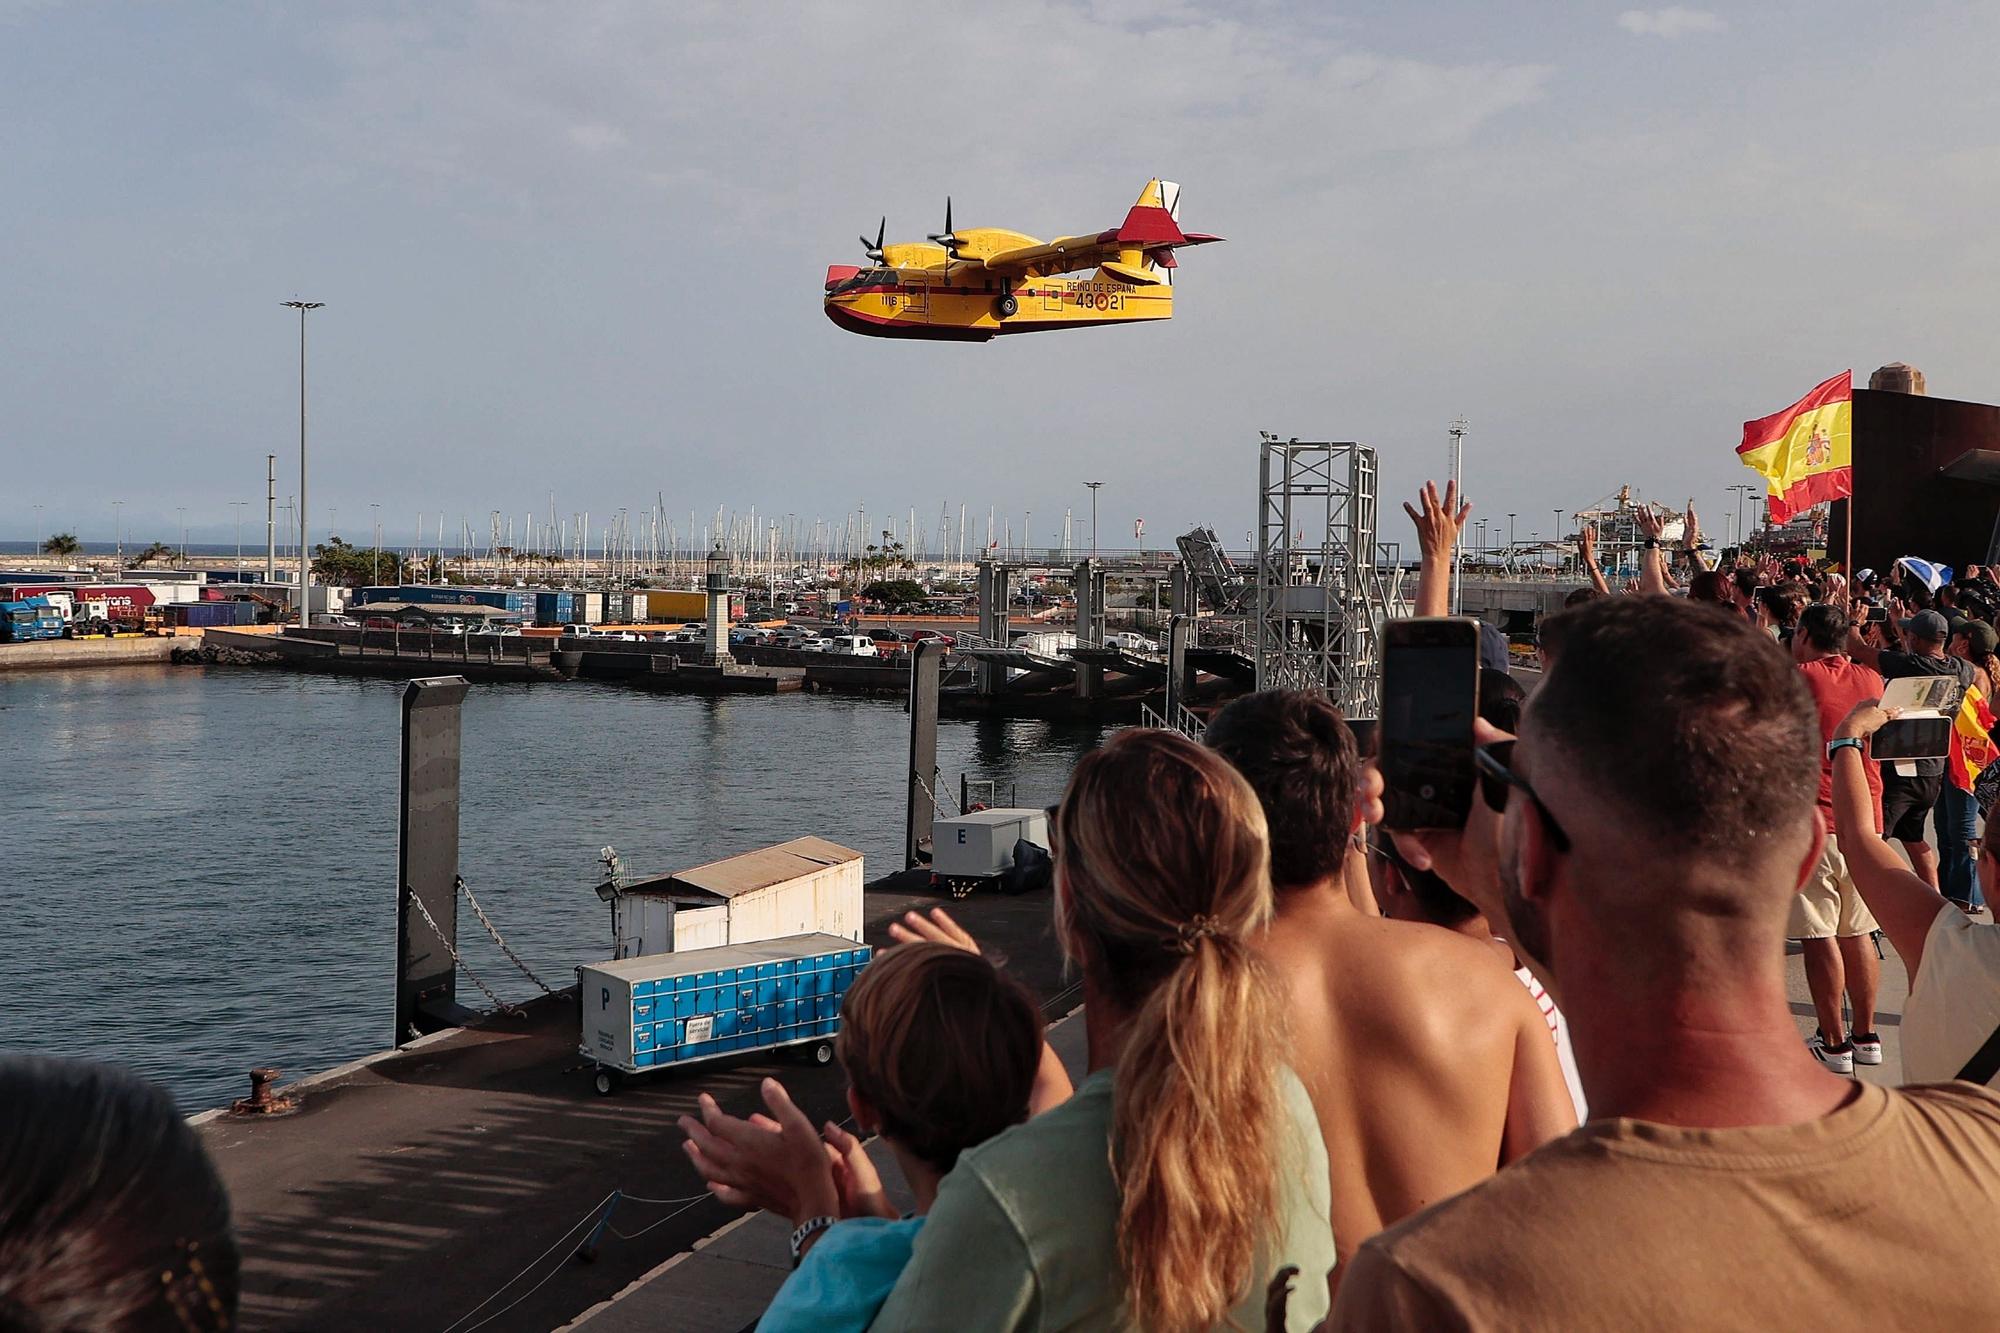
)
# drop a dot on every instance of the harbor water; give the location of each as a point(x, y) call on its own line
point(202, 873)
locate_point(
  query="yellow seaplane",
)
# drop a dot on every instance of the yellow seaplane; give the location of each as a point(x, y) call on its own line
point(975, 284)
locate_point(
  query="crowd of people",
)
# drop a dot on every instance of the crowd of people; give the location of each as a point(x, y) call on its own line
point(1539, 1071)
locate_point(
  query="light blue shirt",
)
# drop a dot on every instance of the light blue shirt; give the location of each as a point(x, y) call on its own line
point(844, 1278)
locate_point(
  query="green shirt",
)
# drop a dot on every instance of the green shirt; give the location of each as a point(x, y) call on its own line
point(1023, 1235)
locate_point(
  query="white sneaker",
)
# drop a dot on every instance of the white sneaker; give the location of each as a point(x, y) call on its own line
point(1867, 1047)
point(1840, 1059)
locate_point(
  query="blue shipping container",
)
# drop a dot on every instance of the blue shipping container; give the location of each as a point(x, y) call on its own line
point(674, 1008)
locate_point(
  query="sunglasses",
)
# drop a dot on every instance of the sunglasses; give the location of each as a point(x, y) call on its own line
point(1496, 775)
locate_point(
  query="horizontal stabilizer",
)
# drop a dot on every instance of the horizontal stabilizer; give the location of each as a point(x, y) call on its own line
point(1138, 277)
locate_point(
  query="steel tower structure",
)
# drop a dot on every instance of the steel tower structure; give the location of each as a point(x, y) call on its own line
point(1320, 601)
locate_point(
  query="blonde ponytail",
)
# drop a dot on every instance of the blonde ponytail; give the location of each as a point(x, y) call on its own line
point(1165, 876)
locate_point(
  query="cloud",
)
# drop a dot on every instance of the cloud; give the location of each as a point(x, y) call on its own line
point(1673, 21)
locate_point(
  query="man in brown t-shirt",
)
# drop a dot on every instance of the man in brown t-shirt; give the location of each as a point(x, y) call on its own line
point(1660, 814)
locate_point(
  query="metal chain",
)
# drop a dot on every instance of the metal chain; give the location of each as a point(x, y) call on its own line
point(928, 791)
point(492, 930)
point(452, 949)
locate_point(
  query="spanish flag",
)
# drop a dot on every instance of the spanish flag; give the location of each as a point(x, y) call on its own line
point(1971, 739)
point(1806, 452)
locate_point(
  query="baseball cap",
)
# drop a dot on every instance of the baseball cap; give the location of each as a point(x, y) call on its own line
point(1493, 648)
point(1982, 637)
point(1927, 625)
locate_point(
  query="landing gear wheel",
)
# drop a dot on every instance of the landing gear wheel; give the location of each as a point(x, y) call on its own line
point(1007, 306)
point(606, 1081)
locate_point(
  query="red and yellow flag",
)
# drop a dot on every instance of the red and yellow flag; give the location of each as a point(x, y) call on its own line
point(1806, 452)
point(1971, 739)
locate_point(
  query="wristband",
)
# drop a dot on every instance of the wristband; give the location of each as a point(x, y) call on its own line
point(1854, 743)
point(807, 1229)
point(1651, 544)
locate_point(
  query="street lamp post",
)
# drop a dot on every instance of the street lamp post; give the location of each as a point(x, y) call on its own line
point(305, 560)
point(378, 541)
point(1093, 516)
point(1510, 532)
point(237, 505)
point(182, 510)
point(118, 508)
point(1558, 531)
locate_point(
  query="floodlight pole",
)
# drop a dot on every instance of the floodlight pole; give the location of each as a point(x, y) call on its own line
point(305, 558)
point(1093, 516)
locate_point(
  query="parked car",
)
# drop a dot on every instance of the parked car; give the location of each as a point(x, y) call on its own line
point(1132, 643)
point(621, 636)
point(929, 635)
point(507, 630)
point(888, 634)
point(688, 636)
point(815, 643)
point(577, 631)
point(853, 645)
point(450, 625)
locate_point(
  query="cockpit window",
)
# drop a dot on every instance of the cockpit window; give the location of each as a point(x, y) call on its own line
point(868, 277)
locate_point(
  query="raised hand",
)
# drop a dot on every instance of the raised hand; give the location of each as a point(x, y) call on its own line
point(1586, 544)
point(854, 1175)
point(1441, 521)
point(936, 928)
point(775, 1162)
point(1650, 525)
point(1864, 720)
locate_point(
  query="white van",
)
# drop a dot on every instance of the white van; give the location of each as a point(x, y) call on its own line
point(852, 645)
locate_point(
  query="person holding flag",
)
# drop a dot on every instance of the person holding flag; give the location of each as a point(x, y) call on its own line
point(1956, 814)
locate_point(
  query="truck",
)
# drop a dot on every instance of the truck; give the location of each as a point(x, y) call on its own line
point(666, 1010)
point(30, 619)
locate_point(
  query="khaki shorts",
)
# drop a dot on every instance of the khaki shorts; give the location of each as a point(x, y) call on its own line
point(1828, 905)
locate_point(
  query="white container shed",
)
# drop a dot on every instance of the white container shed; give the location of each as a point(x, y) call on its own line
point(803, 887)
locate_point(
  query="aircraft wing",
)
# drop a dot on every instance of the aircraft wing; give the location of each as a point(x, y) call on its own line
point(1067, 254)
point(1062, 255)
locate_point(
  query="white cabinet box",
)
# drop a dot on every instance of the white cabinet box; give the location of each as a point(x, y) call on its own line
point(975, 847)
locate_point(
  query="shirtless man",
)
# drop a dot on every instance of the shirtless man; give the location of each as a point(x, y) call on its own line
point(1429, 1065)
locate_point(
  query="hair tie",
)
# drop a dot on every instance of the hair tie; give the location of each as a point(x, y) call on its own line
point(1189, 933)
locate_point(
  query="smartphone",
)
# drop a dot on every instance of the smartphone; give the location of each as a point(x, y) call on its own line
point(1877, 614)
point(1430, 696)
point(1363, 729)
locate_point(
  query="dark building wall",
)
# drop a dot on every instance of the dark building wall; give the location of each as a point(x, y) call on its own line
point(1902, 504)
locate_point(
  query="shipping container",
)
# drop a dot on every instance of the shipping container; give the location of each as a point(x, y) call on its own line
point(642, 1014)
point(641, 604)
point(978, 846)
point(590, 608)
point(666, 604)
point(203, 615)
point(805, 886)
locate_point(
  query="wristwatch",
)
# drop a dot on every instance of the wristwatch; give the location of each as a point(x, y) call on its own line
point(807, 1229)
point(1651, 544)
point(1854, 743)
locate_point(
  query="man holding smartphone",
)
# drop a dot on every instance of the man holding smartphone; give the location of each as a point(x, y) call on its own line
point(1655, 818)
point(1910, 787)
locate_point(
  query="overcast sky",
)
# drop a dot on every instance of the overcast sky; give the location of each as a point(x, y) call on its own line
point(580, 246)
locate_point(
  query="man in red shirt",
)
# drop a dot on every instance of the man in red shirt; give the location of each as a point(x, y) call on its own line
point(1828, 916)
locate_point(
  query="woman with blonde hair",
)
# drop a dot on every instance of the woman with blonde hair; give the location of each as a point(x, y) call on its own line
point(1187, 1169)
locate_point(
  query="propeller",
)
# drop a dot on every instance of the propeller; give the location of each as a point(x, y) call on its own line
point(874, 249)
point(948, 238)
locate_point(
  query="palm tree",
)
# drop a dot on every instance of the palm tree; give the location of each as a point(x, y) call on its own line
point(157, 551)
point(62, 544)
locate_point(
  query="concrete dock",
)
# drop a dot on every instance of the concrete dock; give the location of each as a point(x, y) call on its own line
point(449, 1186)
